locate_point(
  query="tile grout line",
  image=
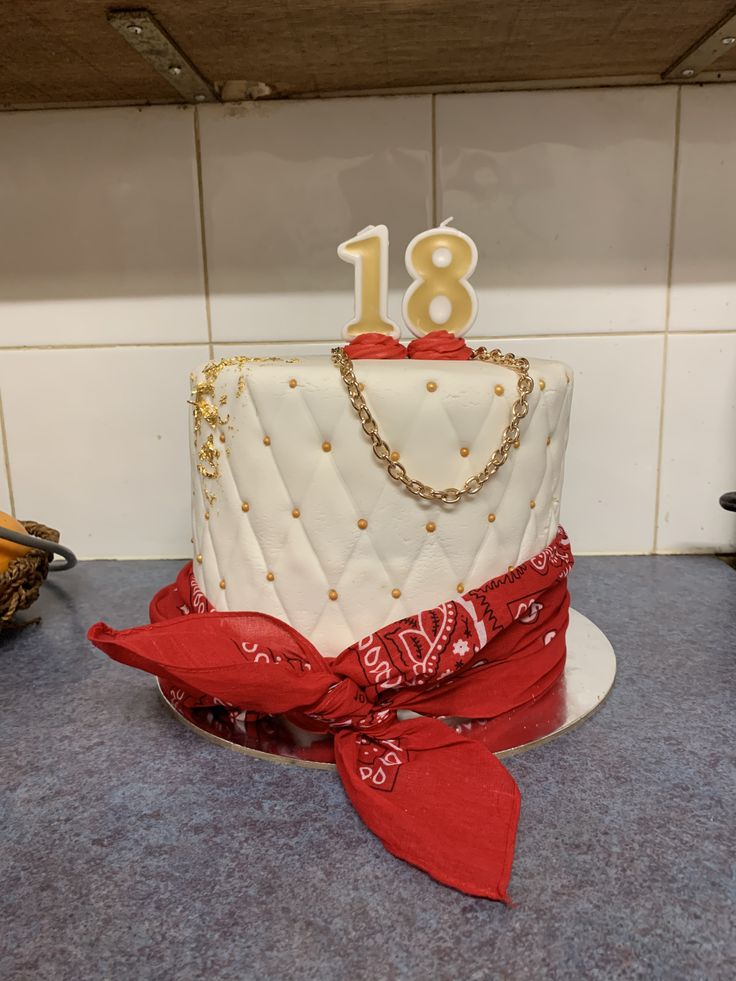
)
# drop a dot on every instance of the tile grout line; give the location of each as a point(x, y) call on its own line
point(202, 233)
point(433, 114)
point(668, 305)
point(102, 347)
point(6, 457)
point(326, 340)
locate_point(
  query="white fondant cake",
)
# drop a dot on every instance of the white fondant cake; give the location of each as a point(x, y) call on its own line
point(294, 515)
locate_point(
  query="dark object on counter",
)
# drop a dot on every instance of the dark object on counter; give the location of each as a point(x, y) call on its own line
point(21, 583)
point(728, 501)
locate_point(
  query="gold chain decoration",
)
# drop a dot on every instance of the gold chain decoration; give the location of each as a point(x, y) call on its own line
point(450, 495)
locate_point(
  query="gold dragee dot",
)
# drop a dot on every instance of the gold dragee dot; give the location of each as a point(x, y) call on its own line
point(532, 504)
point(266, 440)
point(431, 386)
point(199, 559)
point(464, 451)
point(332, 594)
point(270, 576)
point(394, 456)
point(517, 444)
point(292, 383)
point(362, 524)
point(431, 526)
point(542, 384)
point(222, 437)
point(498, 389)
point(206, 515)
point(549, 440)
point(491, 518)
point(245, 506)
point(396, 593)
point(222, 584)
point(326, 446)
point(296, 513)
point(460, 588)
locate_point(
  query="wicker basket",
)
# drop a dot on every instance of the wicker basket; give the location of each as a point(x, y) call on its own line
point(21, 583)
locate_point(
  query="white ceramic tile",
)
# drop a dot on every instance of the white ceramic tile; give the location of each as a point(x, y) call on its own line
point(100, 448)
point(100, 239)
point(610, 484)
point(699, 444)
point(704, 256)
point(608, 500)
point(568, 196)
point(284, 184)
point(5, 504)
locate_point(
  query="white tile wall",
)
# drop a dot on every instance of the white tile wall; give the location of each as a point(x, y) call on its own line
point(284, 184)
point(568, 194)
point(100, 240)
point(609, 497)
point(99, 445)
point(699, 444)
point(704, 258)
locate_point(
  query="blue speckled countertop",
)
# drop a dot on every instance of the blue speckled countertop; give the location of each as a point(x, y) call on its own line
point(134, 849)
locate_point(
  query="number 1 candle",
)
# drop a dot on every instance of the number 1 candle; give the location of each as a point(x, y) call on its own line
point(368, 252)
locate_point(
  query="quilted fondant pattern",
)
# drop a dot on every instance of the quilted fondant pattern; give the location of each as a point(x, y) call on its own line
point(272, 458)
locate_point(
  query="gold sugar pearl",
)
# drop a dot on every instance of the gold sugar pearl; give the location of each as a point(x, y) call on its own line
point(394, 456)
point(464, 451)
point(511, 568)
point(396, 593)
point(296, 513)
point(549, 440)
point(362, 524)
point(542, 384)
point(532, 504)
point(270, 576)
point(222, 584)
point(517, 444)
point(460, 588)
point(206, 515)
point(431, 526)
point(292, 383)
point(431, 386)
point(326, 446)
point(491, 518)
point(498, 389)
point(332, 594)
point(222, 437)
point(245, 506)
point(266, 440)
point(199, 559)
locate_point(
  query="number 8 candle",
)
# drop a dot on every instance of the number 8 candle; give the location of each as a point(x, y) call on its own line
point(368, 252)
point(440, 298)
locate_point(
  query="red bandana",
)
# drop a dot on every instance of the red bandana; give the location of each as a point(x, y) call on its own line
point(434, 797)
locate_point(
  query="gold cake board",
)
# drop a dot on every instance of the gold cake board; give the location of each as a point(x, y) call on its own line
point(588, 678)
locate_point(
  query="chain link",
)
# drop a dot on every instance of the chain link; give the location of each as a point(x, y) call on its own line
point(450, 495)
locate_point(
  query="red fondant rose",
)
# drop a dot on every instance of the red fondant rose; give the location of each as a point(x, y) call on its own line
point(375, 346)
point(440, 345)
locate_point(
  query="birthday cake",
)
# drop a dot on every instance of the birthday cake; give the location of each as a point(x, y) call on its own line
point(294, 515)
point(376, 553)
